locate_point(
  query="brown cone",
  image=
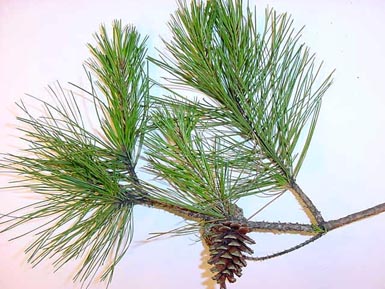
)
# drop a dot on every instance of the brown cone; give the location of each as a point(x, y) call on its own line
point(227, 245)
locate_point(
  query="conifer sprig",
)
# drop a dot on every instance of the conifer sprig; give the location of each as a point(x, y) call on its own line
point(259, 80)
point(85, 179)
point(77, 179)
point(118, 62)
point(247, 132)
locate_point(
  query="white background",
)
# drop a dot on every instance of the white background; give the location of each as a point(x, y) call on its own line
point(43, 41)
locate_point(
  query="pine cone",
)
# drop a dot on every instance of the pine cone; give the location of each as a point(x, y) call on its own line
point(227, 245)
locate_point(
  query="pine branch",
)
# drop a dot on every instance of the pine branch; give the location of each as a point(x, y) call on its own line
point(77, 177)
point(249, 135)
point(85, 181)
point(261, 84)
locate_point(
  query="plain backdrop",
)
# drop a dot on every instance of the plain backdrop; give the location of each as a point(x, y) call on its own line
point(42, 41)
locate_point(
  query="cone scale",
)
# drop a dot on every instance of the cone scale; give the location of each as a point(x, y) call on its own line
point(228, 246)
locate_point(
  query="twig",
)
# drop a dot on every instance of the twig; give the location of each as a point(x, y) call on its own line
point(280, 228)
point(176, 210)
point(327, 226)
point(142, 198)
point(334, 224)
point(310, 209)
point(307, 242)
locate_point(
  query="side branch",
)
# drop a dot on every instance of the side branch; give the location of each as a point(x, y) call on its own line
point(176, 210)
point(303, 244)
point(334, 224)
point(310, 209)
point(142, 198)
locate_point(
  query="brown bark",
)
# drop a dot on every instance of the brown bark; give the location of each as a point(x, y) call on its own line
point(316, 229)
point(334, 224)
point(176, 210)
point(310, 209)
point(279, 228)
point(327, 226)
point(263, 226)
point(303, 244)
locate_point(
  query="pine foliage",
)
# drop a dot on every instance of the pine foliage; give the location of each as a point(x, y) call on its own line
point(85, 180)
